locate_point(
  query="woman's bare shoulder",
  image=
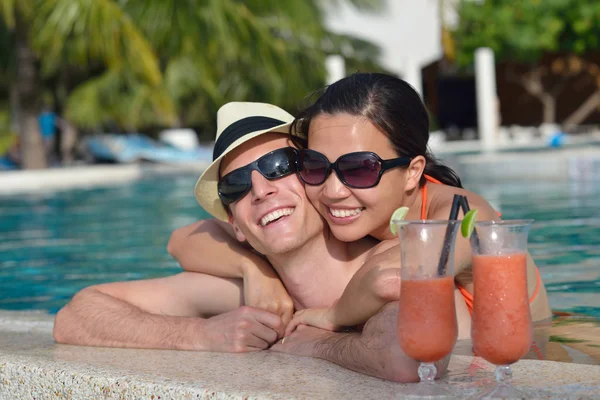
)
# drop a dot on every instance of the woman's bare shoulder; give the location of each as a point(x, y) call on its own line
point(383, 246)
point(441, 204)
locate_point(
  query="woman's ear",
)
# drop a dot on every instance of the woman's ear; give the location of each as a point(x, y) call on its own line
point(238, 233)
point(414, 173)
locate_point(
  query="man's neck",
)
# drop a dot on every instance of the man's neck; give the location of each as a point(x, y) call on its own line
point(317, 273)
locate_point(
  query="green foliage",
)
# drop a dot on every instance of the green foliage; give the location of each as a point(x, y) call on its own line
point(7, 138)
point(117, 97)
point(80, 31)
point(10, 9)
point(524, 30)
point(562, 339)
point(146, 63)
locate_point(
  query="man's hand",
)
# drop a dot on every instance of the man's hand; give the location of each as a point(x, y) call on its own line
point(263, 289)
point(243, 330)
point(317, 317)
point(302, 341)
point(374, 352)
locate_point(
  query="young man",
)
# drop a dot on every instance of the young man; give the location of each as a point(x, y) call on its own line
point(268, 208)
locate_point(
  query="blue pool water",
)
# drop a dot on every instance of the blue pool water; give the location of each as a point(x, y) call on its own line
point(52, 245)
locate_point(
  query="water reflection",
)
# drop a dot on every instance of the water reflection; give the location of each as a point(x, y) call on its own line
point(53, 244)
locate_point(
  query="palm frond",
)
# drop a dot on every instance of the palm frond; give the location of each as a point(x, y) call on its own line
point(7, 12)
point(10, 10)
point(117, 97)
point(80, 31)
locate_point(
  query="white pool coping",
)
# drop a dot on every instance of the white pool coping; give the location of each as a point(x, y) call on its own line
point(506, 146)
point(571, 164)
point(32, 366)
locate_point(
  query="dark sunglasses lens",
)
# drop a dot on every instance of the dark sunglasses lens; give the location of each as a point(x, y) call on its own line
point(234, 186)
point(278, 164)
point(359, 170)
point(313, 167)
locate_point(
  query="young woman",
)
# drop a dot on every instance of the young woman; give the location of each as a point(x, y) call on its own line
point(366, 156)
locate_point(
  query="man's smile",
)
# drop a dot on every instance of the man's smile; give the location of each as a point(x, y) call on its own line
point(276, 215)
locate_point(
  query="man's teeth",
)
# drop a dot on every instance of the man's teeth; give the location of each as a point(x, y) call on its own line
point(270, 217)
point(345, 212)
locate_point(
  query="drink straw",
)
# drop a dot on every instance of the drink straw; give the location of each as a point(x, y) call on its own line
point(464, 204)
point(456, 203)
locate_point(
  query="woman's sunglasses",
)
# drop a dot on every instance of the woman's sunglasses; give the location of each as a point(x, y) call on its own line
point(273, 165)
point(360, 170)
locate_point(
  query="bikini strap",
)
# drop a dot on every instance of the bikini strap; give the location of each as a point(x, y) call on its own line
point(424, 194)
point(431, 179)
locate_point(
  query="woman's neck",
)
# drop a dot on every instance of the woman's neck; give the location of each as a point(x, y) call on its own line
point(414, 201)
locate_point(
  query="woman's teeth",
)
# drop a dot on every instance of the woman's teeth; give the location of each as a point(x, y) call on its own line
point(345, 212)
point(275, 215)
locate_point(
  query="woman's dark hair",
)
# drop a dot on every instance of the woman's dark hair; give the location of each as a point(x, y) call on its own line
point(392, 105)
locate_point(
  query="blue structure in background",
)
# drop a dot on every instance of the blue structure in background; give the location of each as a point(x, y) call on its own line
point(557, 140)
point(47, 122)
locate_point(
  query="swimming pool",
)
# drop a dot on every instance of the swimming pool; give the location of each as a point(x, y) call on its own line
point(54, 244)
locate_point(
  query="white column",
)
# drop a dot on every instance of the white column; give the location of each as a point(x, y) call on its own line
point(485, 83)
point(336, 68)
point(412, 75)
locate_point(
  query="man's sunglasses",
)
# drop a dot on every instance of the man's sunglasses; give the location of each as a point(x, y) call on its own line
point(360, 170)
point(273, 165)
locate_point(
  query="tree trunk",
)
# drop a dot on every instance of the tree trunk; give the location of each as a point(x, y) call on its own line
point(549, 104)
point(27, 93)
point(583, 111)
point(532, 83)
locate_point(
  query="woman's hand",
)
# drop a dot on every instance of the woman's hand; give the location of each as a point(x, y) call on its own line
point(263, 289)
point(317, 317)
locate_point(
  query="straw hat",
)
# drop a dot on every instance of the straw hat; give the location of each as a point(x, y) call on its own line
point(237, 122)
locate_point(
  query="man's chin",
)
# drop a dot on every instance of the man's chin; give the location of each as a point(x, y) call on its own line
point(280, 246)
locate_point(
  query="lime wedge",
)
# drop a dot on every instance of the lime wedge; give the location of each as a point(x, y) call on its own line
point(468, 223)
point(398, 215)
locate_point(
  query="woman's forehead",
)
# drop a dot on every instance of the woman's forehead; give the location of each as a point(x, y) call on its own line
point(343, 123)
point(344, 133)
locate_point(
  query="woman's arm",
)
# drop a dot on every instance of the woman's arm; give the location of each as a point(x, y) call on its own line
point(210, 247)
point(375, 284)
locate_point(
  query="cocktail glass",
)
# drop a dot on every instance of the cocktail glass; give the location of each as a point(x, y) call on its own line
point(501, 328)
point(427, 326)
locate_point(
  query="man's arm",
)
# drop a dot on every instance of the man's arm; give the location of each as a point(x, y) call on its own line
point(210, 247)
point(374, 352)
point(168, 313)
